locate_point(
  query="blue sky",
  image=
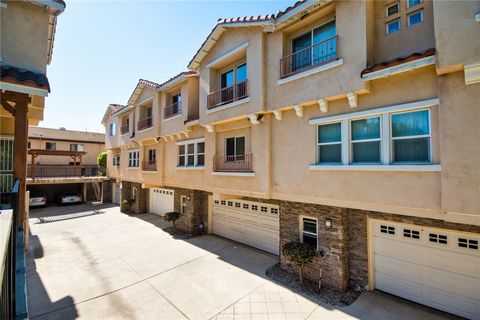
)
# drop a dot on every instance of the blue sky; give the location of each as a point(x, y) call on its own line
point(102, 48)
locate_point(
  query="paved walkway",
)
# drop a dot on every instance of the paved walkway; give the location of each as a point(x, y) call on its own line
point(92, 262)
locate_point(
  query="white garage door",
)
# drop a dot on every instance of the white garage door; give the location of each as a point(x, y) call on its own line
point(161, 200)
point(436, 267)
point(252, 223)
point(117, 191)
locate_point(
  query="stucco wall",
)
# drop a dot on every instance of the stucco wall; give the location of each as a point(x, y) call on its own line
point(92, 150)
point(24, 41)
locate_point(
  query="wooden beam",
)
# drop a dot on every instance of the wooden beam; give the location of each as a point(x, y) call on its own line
point(20, 152)
point(8, 106)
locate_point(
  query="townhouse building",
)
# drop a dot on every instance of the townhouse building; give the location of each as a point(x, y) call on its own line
point(349, 125)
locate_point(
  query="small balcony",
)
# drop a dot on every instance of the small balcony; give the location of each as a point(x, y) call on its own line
point(124, 129)
point(149, 165)
point(172, 110)
point(63, 171)
point(238, 163)
point(144, 123)
point(227, 95)
point(310, 57)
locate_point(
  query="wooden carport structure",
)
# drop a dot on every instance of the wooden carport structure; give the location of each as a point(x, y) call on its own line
point(75, 155)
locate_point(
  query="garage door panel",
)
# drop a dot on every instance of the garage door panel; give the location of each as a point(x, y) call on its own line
point(398, 250)
point(442, 275)
point(161, 200)
point(250, 223)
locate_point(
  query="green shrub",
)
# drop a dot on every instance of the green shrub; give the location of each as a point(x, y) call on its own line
point(173, 217)
point(102, 159)
point(300, 254)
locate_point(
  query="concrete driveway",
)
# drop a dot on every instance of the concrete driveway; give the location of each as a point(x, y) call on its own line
point(93, 262)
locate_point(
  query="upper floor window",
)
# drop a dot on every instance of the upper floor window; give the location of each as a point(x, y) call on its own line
point(29, 145)
point(310, 49)
point(76, 147)
point(116, 160)
point(413, 3)
point(111, 129)
point(191, 154)
point(365, 140)
point(330, 143)
point(392, 9)
point(235, 149)
point(415, 18)
point(145, 121)
point(133, 159)
point(175, 107)
point(411, 137)
point(393, 26)
point(125, 128)
point(396, 138)
point(233, 86)
point(50, 146)
point(152, 155)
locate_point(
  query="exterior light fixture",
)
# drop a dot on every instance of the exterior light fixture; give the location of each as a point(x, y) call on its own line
point(328, 223)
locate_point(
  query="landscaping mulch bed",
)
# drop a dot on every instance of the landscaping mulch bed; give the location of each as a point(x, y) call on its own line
point(310, 289)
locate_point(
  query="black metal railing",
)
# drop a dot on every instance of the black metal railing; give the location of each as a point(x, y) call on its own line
point(9, 217)
point(226, 95)
point(237, 163)
point(55, 171)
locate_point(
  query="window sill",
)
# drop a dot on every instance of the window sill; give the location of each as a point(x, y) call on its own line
point(229, 105)
point(149, 171)
point(235, 174)
point(310, 72)
point(393, 167)
point(190, 168)
point(172, 117)
point(136, 168)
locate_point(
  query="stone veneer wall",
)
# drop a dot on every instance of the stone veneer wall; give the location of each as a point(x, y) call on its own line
point(357, 232)
point(107, 190)
point(196, 211)
point(141, 197)
point(335, 268)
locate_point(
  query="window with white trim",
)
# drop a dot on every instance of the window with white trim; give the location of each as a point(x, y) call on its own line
point(415, 18)
point(392, 9)
point(411, 137)
point(152, 155)
point(133, 159)
point(390, 137)
point(413, 3)
point(191, 154)
point(76, 147)
point(111, 130)
point(116, 160)
point(329, 143)
point(365, 140)
point(392, 26)
point(235, 149)
point(309, 231)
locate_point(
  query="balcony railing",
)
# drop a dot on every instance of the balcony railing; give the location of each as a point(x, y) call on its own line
point(172, 110)
point(238, 163)
point(145, 123)
point(149, 165)
point(124, 129)
point(53, 171)
point(310, 57)
point(8, 239)
point(226, 95)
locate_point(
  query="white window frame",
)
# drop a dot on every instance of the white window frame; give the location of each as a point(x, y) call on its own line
point(235, 147)
point(195, 154)
point(112, 129)
point(396, 3)
point(183, 203)
point(411, 14)
point(151, 152)
point(351, 141)
point(116, 160)
point(429, 136)
point(133, 158)
point(408, 4)
point(386, 146)
point(329, 143)
point(390, 22)
point(78, 147)
point(302, 232)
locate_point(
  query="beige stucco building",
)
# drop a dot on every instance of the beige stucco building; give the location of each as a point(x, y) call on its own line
point(357, 133)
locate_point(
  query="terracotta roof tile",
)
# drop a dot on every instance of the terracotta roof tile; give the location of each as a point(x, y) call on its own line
point(398, 61)
point(23, 77)
point(148, 83)
point(282, 12)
